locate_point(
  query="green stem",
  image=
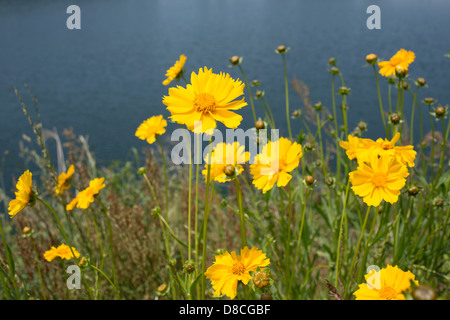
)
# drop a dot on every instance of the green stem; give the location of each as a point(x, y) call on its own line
point(38, 268)
point(249, 93)
point(357, 247)
point(286, 85)
point(380, 102)
point(340, 233)
point(64, 234)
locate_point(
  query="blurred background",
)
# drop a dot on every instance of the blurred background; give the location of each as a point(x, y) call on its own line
point(106, 78)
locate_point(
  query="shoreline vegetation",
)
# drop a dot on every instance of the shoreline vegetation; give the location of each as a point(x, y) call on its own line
point(331, 215)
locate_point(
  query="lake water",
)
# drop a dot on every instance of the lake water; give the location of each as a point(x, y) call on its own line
point(105, 79)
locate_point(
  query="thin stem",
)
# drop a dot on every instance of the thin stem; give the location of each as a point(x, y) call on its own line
point(340, 233)
point(380, 102)
point(286, 85)
point(358, 246)
point(249, 93)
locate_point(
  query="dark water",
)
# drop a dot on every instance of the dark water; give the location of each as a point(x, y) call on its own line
point(105, 79)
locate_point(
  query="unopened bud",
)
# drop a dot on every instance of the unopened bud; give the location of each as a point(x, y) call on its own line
point(421, 82)
point(234, 60)
point(371, 58)
point(332, 61)
point(261, 279)
point(259, 124)
point(395, 118)
point(309, 180)
point(440, 111)
point(281, 49)
point(413, 191)
point(229, 170)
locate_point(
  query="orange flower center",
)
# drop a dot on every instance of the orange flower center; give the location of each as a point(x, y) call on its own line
point(387, 293)
point(238, 268)
point(204, 102)
point(379, 179)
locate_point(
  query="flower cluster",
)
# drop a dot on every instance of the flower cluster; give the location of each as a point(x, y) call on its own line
point(382, 168)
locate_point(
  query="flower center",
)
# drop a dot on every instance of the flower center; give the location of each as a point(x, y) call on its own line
point(387, 293)
point(238, 268)
point(379, 179)
point(204, 102)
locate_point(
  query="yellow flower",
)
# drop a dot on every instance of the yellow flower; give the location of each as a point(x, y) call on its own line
point(274, 168)
point(24, 194)
point(385, 147)
point(176, 71)
point(223, 155)
point(64, 180)
point(379, 179)
point(228, 269)
point(386, 284)
point(150, 128)
point(209, 98)
point(399, 62)
point(355, 147)
point(87, 196)
point(62, 252)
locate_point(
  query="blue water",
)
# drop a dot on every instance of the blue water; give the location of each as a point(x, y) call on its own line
point(105, 79)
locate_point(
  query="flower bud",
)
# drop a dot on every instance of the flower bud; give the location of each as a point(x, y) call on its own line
point(281, 49)
point(229, 170)
point(401, 72)
point(395, 118)
point(362, 126)
point(296, 114)
point(334, 70)
point(309, 146)
point(309, 180)
point(424, 292)
point(234, 60)
point(439, 111)
point(259, 94)
point(330, 181)
point(344, 90)
point(261, 279)
point(428, 101)
point(259, 124)
point(189, 266)
point(438, 202)
point(162, 288)
point(142, 171)
point(413, 191)
point(318, 106)
point(223, 203)
point(391, 79)
point(405, 85)
point(421, 82)
point(26, 230)
point(256, 83)
point(332, 61)
point(371, 58)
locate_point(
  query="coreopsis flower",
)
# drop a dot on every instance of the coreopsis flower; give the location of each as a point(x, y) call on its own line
point(87, 196)
point(150, 128)
point(24, 194)
point(386, 284)
point(356, 147)
point(385, 147)
point(225, 157)
point(380, 178)
point(208, 99)
point(399, 62)
point(64, 180)
point(176, 71)
point(273, 165)
point(62, 252)
point(228, 269)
